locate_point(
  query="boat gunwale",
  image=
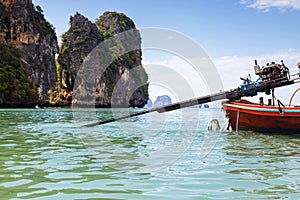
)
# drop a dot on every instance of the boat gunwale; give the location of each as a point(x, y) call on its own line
point(265, 119)
point(257, 109)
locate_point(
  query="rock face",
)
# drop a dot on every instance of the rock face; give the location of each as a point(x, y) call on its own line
point(24, 27)
point(77, 43)
point(127, 70)
point(123, 82)
point(28, 45)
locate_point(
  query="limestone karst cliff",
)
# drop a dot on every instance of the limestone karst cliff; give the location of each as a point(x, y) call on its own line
point(124, 82)
point(30, 74)
point(77, 43)
point(23, 27)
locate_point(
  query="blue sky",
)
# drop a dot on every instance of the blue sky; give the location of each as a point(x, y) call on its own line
point(232, 32)
point(221, 27)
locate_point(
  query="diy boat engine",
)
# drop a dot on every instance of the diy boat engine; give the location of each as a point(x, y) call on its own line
point(272, 71)
point(270, 76)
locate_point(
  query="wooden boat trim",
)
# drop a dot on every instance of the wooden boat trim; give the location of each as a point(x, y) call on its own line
point(263, 108)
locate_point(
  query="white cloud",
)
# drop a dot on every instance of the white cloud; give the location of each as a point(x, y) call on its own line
point(170, 75)
point(267, 5)
point(175, 77)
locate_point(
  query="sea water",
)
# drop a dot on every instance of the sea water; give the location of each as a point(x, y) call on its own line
point(47, 154)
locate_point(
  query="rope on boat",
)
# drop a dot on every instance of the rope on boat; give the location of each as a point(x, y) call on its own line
point(225, 125)
point(237, 121)
point(293, 95)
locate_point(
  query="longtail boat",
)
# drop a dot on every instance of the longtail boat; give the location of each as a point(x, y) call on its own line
point(245, 115)
point(242, 114)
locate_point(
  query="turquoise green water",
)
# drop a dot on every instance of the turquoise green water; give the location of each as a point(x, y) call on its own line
point(44, 155)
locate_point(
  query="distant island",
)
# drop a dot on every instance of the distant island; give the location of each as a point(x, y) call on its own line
point(164, 100)
point(160, 101)
point(32, 74)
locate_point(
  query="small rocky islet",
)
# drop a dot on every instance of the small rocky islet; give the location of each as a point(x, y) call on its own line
point(35, 70)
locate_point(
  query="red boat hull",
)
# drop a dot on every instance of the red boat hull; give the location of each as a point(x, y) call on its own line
point(244, 115)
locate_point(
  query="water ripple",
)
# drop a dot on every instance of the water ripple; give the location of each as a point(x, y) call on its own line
point(43, 157)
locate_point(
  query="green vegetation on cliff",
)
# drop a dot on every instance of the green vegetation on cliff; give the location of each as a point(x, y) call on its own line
point(42, 26)
point(124, 82)
point(110, 24)
point(16, 90)
point(29, 73)
point(77, 43)
point(24, 27)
